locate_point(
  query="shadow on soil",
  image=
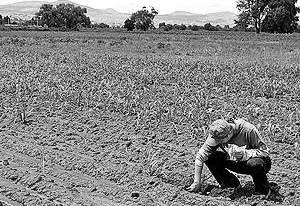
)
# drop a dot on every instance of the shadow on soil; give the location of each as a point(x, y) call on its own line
point(245, 192)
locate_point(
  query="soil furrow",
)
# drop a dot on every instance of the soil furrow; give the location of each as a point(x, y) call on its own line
point(75, 179)
point(62, 180)
point(58, 169)
point(23, 195)
point(7, 202)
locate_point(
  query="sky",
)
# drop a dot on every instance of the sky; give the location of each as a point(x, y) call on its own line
point(163, 6)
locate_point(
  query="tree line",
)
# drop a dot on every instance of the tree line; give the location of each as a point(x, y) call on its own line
point(207, 26)
point(4, 20)
point(272, 16)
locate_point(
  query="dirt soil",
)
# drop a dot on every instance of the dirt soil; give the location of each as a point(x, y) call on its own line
point(116, 118)
point(104, 161)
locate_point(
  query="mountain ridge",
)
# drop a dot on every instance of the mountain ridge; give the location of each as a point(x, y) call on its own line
point(27, 9)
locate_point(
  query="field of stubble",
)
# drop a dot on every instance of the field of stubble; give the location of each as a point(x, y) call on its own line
point(114, 118)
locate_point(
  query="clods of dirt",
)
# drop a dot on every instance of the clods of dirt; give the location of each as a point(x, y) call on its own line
point(247, 193)
point(5, 162)
point(94, 189)
point(135, 194)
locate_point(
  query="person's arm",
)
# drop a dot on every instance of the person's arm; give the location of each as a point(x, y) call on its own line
point(198, 172)
point(201, 157)
point(196, 185)
point(259, 148)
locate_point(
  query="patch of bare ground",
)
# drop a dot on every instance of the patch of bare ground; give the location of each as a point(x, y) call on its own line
point(108, 164)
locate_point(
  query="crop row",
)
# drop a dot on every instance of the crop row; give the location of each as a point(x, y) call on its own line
point(184, 92)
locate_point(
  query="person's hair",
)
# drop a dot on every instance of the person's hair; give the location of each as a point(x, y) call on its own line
point(220, 129)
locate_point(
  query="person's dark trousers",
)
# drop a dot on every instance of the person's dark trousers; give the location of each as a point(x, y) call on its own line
point(257, 167)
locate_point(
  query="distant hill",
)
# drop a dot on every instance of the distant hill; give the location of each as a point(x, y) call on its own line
point(181, 13)
point(26, 10)
point(219, 18)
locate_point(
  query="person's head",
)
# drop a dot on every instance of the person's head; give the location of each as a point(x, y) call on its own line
point(220, 131)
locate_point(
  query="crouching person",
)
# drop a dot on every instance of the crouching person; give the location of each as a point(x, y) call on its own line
point(241, 150)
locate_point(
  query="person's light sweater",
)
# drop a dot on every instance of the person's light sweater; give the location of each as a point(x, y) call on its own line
point(246, 138)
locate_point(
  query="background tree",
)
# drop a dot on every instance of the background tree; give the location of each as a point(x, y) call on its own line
point(194, 27)
point(227, 28)
point(254, 10)
point(243, 21)
point(64, 15)
point(143, 19)
point(209, 27)
point(282, 17)
point(179, 27)
point(1, 19)
point(72, 16)
point(6, 20)
point(168, 27)
point(129, 25)
point(47, 12)
point(100, 25)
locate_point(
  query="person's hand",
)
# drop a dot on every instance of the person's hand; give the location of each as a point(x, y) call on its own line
point(238, 154)
point(195, 187)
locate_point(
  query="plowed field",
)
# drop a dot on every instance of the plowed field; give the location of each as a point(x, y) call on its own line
point(112, 118)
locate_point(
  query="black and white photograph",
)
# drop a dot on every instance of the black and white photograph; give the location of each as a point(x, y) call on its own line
point(149, 103)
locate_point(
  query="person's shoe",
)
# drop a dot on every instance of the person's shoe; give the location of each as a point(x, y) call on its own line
point(239, 186)
point(274, 196)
